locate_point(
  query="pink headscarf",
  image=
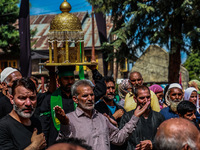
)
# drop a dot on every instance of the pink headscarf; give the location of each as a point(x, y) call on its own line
point(156, 88)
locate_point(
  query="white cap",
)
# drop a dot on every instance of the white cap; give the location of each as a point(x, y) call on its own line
point(173, 85)
point(6, 72)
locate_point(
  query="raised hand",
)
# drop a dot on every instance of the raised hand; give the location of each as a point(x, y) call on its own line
point(118, 114)
point(139, 111)
point(60, 114)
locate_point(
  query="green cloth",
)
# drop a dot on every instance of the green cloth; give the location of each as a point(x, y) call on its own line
point(56, 100)
point(81, 70)
point(67, 73)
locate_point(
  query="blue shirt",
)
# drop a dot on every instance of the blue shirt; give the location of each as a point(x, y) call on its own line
point(168, 113)
point(112, 109)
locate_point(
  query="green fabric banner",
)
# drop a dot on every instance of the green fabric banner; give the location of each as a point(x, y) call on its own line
point(56, 100)
point(81, 70)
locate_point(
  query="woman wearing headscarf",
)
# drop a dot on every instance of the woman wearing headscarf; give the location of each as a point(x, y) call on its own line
point(157, 89)
point(192, 96)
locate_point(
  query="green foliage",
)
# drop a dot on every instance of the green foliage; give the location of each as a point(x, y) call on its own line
point(192, 64)
point(174, 24)
point(9, 35)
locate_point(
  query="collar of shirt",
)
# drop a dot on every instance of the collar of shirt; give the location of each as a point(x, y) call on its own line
point(79, 112)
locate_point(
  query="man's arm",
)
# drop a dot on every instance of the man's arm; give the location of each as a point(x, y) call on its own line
point(38, 141)
point(117, 136)
point(100, 86)
point(64, 123)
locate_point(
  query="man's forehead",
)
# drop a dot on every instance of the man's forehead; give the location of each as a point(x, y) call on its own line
point(143, 91)
point(83, 88)
point(110, 83)
point(135, 75)
point(23, 90)
point(175, 89)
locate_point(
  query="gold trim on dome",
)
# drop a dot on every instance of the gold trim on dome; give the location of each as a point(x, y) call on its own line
point(65, 22)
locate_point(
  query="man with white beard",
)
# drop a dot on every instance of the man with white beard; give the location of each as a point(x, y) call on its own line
point(19, 129)
point(174, 96)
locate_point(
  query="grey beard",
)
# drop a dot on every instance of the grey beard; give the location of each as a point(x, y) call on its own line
point(173, 104)
point(21, 113)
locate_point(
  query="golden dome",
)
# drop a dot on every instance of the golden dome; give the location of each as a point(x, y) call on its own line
point(65, 21)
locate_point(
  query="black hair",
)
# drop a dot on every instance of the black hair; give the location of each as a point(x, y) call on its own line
point(140, 87)
point(74, 141)
point(25, 82)
point(109, 79)
point(185, 106)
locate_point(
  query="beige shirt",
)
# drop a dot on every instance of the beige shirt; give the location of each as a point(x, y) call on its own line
point(97, 131)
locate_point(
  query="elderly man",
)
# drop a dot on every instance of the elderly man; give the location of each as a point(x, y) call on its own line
point(143, 136)
point(19, 129)
point(86, 123)
point(173, 97)
point(135, 78)
point(63, 98)
point(177, 134)
point(8, 75)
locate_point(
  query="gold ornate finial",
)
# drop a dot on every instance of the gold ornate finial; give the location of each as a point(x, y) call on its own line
point(65, 6)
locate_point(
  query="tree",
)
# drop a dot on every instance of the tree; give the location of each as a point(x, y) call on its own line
point(192, 64)
point(9, 35)
point(174, 24)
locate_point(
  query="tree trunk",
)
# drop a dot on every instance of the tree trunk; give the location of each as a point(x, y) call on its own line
point(175, 50)
point(174, 66)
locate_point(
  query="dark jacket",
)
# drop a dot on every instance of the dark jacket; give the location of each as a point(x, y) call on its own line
point(5, 106)
point(146, 128)
point(101, 107)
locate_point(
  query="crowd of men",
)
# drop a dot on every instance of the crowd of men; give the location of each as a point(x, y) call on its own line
point(88, 115)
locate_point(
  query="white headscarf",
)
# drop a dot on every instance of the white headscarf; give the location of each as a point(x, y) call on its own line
point(188, 93)
point(173, 85)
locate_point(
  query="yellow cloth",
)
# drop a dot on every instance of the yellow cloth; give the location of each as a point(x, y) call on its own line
point(130, 103)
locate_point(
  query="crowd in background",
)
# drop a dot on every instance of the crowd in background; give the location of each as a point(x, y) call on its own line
point(100, 115)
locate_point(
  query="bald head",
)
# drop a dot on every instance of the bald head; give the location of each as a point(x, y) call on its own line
point(135, 78)
point(65, 146)
point(177, 134)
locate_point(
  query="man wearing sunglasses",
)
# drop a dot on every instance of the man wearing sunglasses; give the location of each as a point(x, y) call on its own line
point(143, 136)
